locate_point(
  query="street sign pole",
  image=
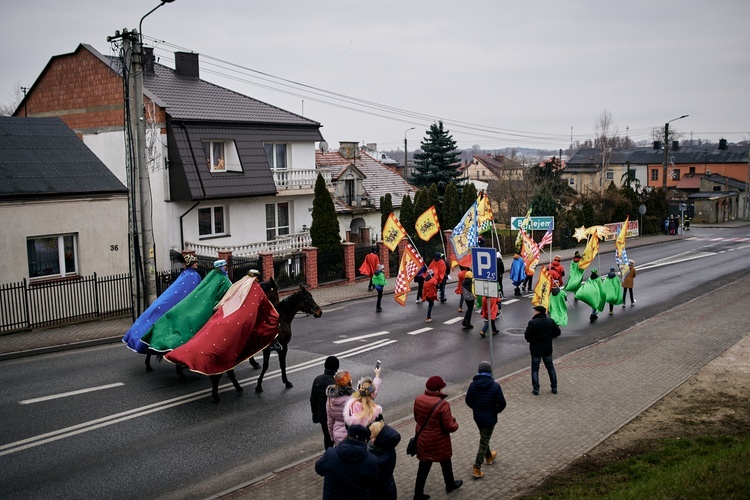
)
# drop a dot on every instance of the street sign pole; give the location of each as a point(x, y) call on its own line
point(484, 268)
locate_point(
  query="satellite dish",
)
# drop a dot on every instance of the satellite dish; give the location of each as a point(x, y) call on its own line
point(324, 146)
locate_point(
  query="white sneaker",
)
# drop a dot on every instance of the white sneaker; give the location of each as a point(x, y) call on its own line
point(632, 303)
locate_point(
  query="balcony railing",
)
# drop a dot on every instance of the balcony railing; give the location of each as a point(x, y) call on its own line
point(300, 179)
point(282, 245)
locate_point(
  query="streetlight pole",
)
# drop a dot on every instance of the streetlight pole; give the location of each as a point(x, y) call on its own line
point(406, 155)
point(666, 150)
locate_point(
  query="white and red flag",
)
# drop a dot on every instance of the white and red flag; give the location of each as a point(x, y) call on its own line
point(411, 263)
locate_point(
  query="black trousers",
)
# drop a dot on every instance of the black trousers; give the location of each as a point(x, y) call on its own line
point(424, 471)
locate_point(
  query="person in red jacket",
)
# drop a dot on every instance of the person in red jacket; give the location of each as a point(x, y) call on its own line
point(556, 270)
point(459, 285)
point(438, 267)
point(429, 292)
point(434, 441)
point(369, 266)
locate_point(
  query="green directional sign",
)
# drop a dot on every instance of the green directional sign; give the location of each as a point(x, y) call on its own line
point(535, 223)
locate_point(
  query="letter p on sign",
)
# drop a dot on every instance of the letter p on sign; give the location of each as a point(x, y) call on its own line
point(483, 263)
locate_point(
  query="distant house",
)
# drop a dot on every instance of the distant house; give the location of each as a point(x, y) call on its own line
point(226, 171)
point(63, 213)
point(584, 171)
point(359, 181)
point(719, 199)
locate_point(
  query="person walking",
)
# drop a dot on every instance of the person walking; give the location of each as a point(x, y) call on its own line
point(369, 266)
point(527, 285)
point(556, 270)
point(433, 414)
point(349, 470)
point(419, 279)
point(461, 275)
point(429, 292)
point(627, 283)
point(500, 273)
point(383, 442)
point(361, 408)
point(486, 400)
point(467, 293)
point(490, 309)
point(612, 286)
point(337, 396)
point(438, 269)
point(379, 282)
point(539, 334)
point(517, 274)
point(318, 398)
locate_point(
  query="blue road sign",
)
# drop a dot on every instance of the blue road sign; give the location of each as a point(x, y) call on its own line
point(484, 263)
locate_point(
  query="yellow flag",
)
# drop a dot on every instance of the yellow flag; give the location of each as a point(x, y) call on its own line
point(542, 290)
point(620, 241)
point(427, 224)
point(393, 232)
point(592, 249)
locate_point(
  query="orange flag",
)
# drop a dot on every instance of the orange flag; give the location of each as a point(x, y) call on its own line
point(393, 232)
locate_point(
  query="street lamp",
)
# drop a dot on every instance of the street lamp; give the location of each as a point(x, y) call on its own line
point(140, 24)
point(666, 149)
point(406, 156)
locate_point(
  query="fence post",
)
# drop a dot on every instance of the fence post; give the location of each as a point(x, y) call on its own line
point(383, 255)
point(27, 312)
point(311, 266)
point(449, 255)
point(266, 265)
point(364, 233)
point(96, 296)
point(350, 270)
point(227, 256)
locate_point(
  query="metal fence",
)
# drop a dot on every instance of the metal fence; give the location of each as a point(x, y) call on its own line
point(359, 257)
point(25, 305)
point(331, 266)
point(289, 271)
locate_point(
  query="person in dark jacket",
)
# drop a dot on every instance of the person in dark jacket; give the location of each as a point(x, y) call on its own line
point(467, 292)
point(350, 471)
point(434, 442)
point(486, 400)
point(318, 397)
point(539, 334)
point(384, 440)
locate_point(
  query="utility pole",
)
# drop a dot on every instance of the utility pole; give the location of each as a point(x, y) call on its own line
point(406, 155)
point(666, 150)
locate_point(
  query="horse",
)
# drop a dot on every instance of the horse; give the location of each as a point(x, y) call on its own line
point(299, 301)
point(272, 292)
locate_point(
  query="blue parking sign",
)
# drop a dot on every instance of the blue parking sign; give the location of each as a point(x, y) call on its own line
point(484, 263)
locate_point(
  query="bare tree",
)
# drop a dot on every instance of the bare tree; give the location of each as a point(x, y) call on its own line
point(606, 140)
point(14, 99)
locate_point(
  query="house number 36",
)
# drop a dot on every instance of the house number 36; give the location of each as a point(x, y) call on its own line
point(113, 248)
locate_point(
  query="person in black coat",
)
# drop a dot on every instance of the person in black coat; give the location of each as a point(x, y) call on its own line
point(349, 470)
point(539, 334)
point(383, 446)
point(485, 398)
point(318, 397)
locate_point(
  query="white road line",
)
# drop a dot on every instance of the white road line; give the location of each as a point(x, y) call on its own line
point(509, 301)
point(327, 310)
point(674, 259)
point(421, 330)
point(24, 444)
point(352, 339)
point(453, 320)
point(71, 393)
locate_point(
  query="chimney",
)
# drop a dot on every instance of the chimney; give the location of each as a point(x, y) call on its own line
point(722, 144)
point(148, 60)
point(657, 145)
point(675, 145)
point(186, 64)
point(348, 149)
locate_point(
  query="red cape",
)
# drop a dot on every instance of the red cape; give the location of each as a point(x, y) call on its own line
point(245, 323)
point(370, 264)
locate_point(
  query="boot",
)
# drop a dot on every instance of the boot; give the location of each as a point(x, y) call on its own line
point(491, 458)
point(477, 473)
point(593, 318)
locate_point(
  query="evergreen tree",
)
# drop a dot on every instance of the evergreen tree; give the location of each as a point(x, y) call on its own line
point(544, 203)
point(421, 203)
point(433, 196)
point(450, 213)
point(438, 160)
point(386, 207)
point(468, 197)
point(406, 216)
point(324, 230)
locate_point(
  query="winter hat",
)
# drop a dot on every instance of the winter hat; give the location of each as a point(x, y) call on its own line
point(343, 378)
point(380, 267)
point(595, 271)
point(631, 262)
point(557, 258)
point(332, 363)
point(358, 432)
point(469, 274)
point(611, 269)
point(485, 367)
point(540, 309)
point(220, 263)
point(577, 254)
point(434, 383)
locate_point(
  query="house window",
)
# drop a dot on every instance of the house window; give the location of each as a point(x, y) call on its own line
point(676, 174)
point(221, 156)
point(692, 170)
point(349, 191)
point(276, 155)
point(571, 181)
point(277, 220)
point(52, 256)
point(654, 174)
point(610, 175)
point(211, 221)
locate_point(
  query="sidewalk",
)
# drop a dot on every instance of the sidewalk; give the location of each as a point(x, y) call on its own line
point(79, 335)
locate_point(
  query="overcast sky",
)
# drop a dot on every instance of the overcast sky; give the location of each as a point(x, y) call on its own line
point(498, 73)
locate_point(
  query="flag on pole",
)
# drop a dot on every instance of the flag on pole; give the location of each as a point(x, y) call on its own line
point(411, 263)
point(465, 233)
point(393, 232)
point(524, 225)
point(547, 239)
point(592, 248)
point(529, 253)
point(542, 290)
point(427, 224)
point(485, 218)
point(621, 254)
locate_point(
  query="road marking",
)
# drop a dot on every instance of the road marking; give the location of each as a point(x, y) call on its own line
point(509, 302)
point(116, 418)
point(675, 259)
point(453, 320)
point(71, 393)
point(326, 310)
point(352, 339)
point(421, 330)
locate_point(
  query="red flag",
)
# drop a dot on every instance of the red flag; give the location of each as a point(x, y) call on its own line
point(411, 263)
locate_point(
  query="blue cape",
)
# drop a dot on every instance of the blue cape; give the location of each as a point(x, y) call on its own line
point(517, 272)
point(182, 286)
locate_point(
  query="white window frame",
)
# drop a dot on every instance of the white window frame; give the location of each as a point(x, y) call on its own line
point(610, 175)
point(213, 210)
point(572, 181)
point(273, 229)
point(275, 160)
point(227, 159)
point(63, 263)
